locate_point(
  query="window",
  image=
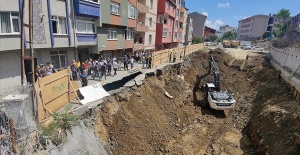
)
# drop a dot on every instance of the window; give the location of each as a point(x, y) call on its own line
point(115, 8)
point(165, 21)
point(94, 1)
point(168, 4)
point(9, 22)
point(170, 22)
point(59, 59)
point(175, 35)
point(150, 21)
point(129, 34)
point(169, 34)
point(180, 35)
point(112, 34)
point(165, 33)
point(85, 26)
point(59, 25)
point(131, 11)
point(107, 55)
point(176, 25)
point(150, 39)
point(151, 4)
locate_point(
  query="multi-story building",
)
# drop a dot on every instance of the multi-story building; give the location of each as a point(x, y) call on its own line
point(254, 27)
point(208, 31)
point(189, 31)
point(295, 21)
point(145, 33)
point(224, 29)
point(198, 24)
point(118, 23)
point(86, 19)
point(182, 22)
point(53, 39)
point(166, 12)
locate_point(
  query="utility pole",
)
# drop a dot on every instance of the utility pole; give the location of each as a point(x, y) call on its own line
point(22, 44)
point(31, 41)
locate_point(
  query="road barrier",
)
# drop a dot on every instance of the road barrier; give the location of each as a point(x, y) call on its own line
point(54, 92)
point(166, 56)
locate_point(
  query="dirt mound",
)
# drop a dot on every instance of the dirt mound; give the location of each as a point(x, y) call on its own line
point(147, 121)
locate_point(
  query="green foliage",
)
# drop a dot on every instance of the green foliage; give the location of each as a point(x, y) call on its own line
point(229, 36)
point(56, 129)
point(197, 40)
point(284, 14)
point(213, 38)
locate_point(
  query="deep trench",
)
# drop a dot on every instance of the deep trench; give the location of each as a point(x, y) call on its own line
point(120, 83)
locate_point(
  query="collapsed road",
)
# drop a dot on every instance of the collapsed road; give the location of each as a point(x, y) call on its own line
point(169, 114)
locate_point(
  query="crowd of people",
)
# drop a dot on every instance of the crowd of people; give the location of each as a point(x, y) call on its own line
point(103, 67)
point(42, 71)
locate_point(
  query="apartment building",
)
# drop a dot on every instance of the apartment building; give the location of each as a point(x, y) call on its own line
point(166, 12)
point(118, 24)
point(145, 33)
point(180, 30)
point(189, 31)
point(198, 24)
point(53, 39)
point(225, 28)
point(295, 21)
point(208, 31)
point(254, 27)
point(86, 17)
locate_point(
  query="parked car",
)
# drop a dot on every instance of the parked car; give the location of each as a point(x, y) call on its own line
point(257, 48)
point(247, 47)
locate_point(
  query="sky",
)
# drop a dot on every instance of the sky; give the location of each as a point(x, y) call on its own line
point(229, 12)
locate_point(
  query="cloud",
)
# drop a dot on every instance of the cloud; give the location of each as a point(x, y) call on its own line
point(215, 25)
point(205, 13)
point(223, 5)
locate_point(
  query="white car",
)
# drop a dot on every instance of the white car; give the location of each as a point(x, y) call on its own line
point(257, 48)
point(247, 47)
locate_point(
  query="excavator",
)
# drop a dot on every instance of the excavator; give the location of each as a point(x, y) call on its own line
point(218, 99)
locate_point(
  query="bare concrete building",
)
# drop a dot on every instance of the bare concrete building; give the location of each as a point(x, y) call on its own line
point(254, 27)
point(224, 29)
point(198, 24)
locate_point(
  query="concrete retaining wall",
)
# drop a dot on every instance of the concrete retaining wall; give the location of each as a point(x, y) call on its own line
point(288, 63)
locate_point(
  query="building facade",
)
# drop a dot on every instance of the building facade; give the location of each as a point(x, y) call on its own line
point(295, 21)
point(198, 24)
point(224, 29)
point(145, 33)
point(166, 13)
point(117, 26)
point(53, 39)
point(189, 31)
point(208, 31)
point(254, 27)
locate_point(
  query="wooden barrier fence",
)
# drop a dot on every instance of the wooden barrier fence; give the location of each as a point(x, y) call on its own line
point(54, 92)
point(166, 56)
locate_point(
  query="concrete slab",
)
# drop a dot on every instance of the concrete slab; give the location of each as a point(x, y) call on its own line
point(130, 83)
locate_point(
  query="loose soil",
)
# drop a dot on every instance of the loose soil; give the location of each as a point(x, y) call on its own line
point(146, 121)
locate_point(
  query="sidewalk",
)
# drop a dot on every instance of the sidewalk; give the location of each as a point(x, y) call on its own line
point(78, 108)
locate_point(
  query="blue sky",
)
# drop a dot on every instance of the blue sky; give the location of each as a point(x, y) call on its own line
point(222, 12)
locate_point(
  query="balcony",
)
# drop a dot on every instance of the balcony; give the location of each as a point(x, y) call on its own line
point(87, 9)
point(142, 8)
point(86, 39)
point(139, 44)
point(142, 28)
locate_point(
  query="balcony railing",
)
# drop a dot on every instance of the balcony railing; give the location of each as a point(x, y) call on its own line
point(142, 8)
point(85, 8)
point(139, 44)
point(142, 28)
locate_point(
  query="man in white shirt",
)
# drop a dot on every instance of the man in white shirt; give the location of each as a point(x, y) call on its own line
point(115, 66)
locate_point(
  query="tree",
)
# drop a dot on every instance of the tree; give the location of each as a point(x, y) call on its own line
point(213, 38)
point(229, 35)
point(197, 40)
point(284, 14)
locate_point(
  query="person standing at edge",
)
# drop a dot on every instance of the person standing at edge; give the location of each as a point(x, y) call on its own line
point(83, 75)
point(174, 57)
point(115, 66)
